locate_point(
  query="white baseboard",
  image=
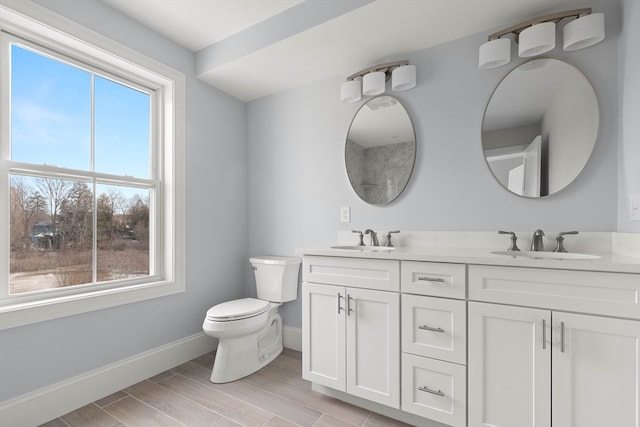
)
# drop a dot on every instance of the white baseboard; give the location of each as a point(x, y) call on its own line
point(292, 338)
point(50, 402)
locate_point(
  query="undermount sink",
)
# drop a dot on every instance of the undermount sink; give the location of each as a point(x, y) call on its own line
point(363, 248)
point(547, 255)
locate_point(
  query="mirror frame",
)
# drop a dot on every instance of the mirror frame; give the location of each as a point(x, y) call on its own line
point(413, 162)
point(596, 136)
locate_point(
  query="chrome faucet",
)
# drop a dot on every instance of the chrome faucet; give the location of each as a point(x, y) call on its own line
point(560, 240)
point(374, 236)
point(360, 236)
point(514, 246)
point(389, 244)
point(536, 241)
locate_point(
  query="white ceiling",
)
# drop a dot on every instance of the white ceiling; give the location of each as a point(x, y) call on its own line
point(253, 48)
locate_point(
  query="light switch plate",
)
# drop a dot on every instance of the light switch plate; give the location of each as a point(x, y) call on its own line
point(635, 207)
point(345, 214)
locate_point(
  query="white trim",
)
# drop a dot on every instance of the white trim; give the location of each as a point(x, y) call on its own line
point(292, 338)
point(12, 316)
point(50, 402)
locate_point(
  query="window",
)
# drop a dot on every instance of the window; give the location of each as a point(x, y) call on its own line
point(90, 169)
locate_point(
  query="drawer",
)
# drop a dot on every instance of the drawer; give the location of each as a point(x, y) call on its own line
point(433, 278)
point(593, 292)
point(434, 389)
point(380, 274)
point(434, 327)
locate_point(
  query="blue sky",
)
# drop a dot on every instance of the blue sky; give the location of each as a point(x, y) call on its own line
point(51, 118)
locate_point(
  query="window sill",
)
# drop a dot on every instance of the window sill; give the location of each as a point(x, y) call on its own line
point(22, 314)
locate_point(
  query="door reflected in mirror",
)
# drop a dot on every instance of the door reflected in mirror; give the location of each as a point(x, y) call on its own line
point(380, 150)
point(540, 127)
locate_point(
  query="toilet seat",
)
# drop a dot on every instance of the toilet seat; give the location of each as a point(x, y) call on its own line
point(237, 309)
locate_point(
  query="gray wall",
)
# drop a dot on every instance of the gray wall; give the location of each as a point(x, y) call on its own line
point(297, 178)
point(629, 88)
point(216, 207)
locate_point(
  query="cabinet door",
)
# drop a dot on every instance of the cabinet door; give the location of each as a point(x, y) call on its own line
point(373, 345)
point(323, 335)
point(595, 371)
point(509, 366)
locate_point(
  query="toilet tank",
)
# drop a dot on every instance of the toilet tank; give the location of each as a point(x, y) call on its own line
point(276, 277)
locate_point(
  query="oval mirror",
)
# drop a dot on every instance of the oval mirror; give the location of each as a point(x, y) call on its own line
point(540, 127)
point(380, 150)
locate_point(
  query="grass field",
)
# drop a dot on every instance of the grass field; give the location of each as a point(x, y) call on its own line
point(37, 269)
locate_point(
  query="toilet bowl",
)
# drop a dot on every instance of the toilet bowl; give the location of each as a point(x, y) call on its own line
point(249, 330)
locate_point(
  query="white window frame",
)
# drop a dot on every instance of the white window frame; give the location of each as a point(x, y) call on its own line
point(40, 26)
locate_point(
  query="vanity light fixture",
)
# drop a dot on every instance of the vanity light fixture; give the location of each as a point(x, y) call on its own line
point(538, 35)
point(537, 39)
point(372, 81)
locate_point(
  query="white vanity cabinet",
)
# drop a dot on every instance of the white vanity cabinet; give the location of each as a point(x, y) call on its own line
point(350, 334)
point(467, 344)
point(434, 341)
point(547, 367)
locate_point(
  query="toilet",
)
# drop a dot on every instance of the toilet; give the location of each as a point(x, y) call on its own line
point(249, 330)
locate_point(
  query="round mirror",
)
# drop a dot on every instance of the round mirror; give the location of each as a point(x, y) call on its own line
point(380, 150)
point(540, 127)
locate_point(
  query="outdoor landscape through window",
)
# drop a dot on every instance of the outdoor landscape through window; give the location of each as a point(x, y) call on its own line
point(52, 234)
point(79, 175)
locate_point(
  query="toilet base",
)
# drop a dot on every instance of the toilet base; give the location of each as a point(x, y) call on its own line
point(238, 357)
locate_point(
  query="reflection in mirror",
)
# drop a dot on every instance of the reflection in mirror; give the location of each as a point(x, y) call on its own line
point(540, 127)
point(380, 150)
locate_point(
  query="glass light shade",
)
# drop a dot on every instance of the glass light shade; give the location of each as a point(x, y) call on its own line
point(584, 32)
point(494, 53)
point(373, 83)
point(403, 78)
point(351, 91)
point(537, 39)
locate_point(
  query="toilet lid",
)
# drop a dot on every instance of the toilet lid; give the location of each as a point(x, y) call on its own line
point(237, 309)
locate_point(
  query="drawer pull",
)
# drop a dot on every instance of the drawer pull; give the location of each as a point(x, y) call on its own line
point(428, 390)
point(349, 309)
point(429, 328)
point(339, 306)
point(431, 279)
point(562, 337)
point(544, 334)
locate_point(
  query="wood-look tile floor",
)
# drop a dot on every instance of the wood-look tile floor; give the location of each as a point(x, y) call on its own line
point(275, 396)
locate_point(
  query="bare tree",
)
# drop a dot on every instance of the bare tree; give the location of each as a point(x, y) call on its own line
point(116, 202)
point(27, 208)
point(55, 191)
point(76, 220)
point(138, 217)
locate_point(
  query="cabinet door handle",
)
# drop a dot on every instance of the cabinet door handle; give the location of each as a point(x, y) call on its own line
point(544, 334)
point(562, 337)
point(349, 309)
point(430, 279)
point(428, 390)
point(339, 306)
point(429, 328)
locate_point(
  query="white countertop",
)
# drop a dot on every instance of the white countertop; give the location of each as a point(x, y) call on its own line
point(609, 262)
